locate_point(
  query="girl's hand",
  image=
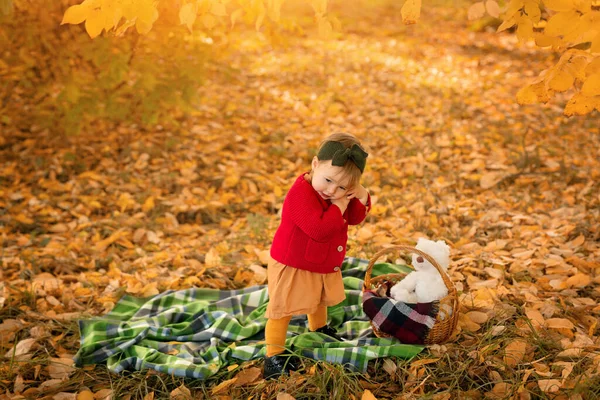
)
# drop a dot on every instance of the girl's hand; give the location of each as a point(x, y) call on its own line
point(342, 203)
point(359, 192)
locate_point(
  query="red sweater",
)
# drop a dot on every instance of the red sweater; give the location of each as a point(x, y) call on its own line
point(313, 233)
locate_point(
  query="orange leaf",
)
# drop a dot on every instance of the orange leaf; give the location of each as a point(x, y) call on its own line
point(367, 395)
point(549, 385)
point(411, 11)
point(514, 352)
point(559, 323)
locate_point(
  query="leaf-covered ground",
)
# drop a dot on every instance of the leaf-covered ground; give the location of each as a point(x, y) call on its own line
point(514, 190)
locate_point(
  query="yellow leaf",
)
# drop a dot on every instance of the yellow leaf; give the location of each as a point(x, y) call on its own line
point(526, 95)
point(535, 317)
point(208, 21)
point(478, 317)
point(549, 385)
point(94, 23)
point(559, 5)
point(223, 386)
point(580, 105)
point(542, 93)
point(576, 67)
point(325, 28)
point(424, 361)
point(492, 8)
point(579, 280)
point(593, 67)
point(285, 396)
point(411, 11)
point(506, 24)
point(595, 44)
point(103, 244)
point(490, 179)
point(149, 396)
point(476, 11)
point(218, 9)
point(85, 395)
point(561, 81)
point(187, 15)
point(583, 6)
point(577, 242)
point(181, 393)
point(367, 395)
point(561, 23)
point(149, 290)
point(525, 29)
point(532, 10)
point(542, 40)
point(514, 8)
point(514, 352)
point(60, 368)
point(260, 16)
point(501, 390)
point(248, 376)
point(591, 86)
point(559, 323)
point(235, 16)
point(212, 258)
point(148, 204)
point(75, 14)
point(24, 219)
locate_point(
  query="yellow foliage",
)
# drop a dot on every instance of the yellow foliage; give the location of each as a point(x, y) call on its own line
point(591, 86)
point(411, 11)
point(562, 23)
point(120, 15)
point(561, 80)
point(559, 5)
point(580, 104)
point(492, 8)
point(476, 11)
point(525, 29)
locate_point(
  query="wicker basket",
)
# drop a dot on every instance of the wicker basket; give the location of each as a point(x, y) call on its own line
point(442, 328)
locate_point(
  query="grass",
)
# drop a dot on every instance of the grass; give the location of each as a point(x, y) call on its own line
point(468, 368)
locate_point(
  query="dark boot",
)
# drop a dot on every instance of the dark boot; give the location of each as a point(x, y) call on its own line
point(280, 364)
point(329, 331)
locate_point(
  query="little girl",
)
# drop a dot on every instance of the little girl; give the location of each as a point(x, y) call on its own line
point(309, 246)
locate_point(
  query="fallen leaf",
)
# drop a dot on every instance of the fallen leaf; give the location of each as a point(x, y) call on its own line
point(367, 395)
point(514, 352)
point(23, 347)
point(64, 396)
point(103, 394)
point(285, 396)
point(499, 391)
point(559, 323)
point(60, 368)
point(221, 387)
point(478, 317)
point(549, 385)
point(85, 395)
point(18, 385)
point(390, 367)
point(247, 376)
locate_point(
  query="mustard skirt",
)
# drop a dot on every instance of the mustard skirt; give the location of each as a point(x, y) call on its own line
point(295, 291)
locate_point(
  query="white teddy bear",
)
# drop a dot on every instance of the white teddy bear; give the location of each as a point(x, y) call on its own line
point(424, 284)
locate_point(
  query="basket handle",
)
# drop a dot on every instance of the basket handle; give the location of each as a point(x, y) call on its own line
point(445, 277)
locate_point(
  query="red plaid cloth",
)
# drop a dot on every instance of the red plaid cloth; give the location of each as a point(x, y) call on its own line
point(410, 323)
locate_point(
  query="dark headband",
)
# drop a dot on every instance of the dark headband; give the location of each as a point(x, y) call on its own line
point(339, 155)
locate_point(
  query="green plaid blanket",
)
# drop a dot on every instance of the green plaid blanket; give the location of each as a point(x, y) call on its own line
point(196, 332)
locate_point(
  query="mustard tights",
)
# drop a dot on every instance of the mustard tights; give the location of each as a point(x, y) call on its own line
point(276, 330)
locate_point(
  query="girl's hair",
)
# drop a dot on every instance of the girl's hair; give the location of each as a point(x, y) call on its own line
point(350, 169)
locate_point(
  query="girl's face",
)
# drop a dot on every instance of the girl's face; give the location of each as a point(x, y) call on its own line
point(328, 180)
